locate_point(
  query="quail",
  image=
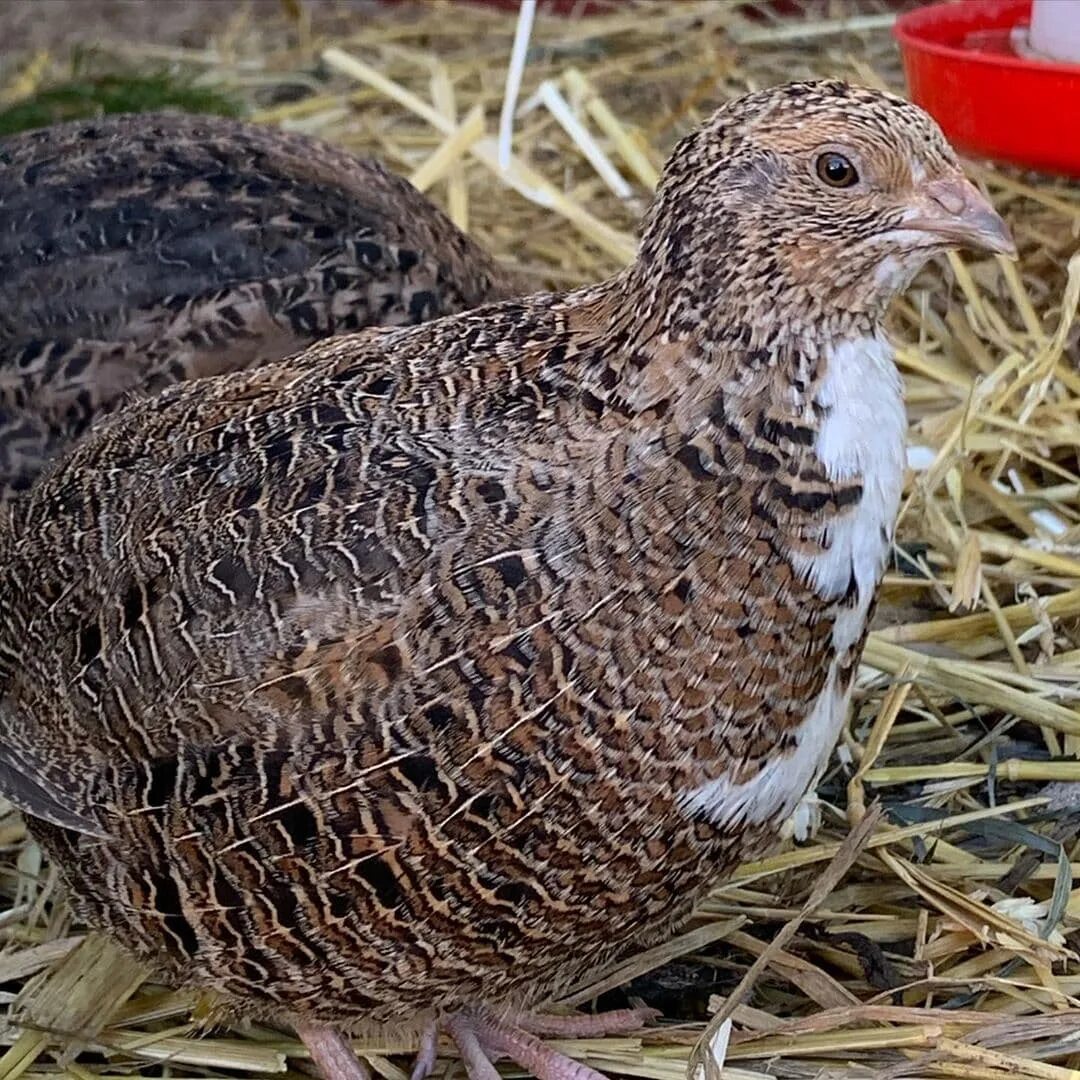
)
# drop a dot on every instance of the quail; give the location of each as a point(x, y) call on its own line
point(402, 681)
point(142, 250)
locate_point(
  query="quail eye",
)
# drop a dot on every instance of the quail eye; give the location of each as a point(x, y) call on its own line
point(836, 171)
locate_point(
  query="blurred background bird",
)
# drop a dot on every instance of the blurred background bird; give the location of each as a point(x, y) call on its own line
point(400, 682)
point(142, 250)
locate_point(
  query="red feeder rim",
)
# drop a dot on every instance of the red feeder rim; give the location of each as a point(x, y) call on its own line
point(989, 101)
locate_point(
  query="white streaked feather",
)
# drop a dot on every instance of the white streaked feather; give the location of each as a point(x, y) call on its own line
point(861, 435)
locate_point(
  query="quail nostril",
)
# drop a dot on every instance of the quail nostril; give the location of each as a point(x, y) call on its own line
point(948, 195)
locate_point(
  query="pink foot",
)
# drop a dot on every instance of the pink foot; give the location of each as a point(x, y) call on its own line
point(330, 1050)
point(481, 1038)
point(587, 1025)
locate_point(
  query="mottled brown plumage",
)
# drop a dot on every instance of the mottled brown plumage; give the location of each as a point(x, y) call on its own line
point(142, 250)
point(426, 669)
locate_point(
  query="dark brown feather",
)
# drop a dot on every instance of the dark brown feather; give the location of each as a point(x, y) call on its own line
point(142, 250)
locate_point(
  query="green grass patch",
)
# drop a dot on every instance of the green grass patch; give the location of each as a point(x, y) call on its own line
point(85, 96)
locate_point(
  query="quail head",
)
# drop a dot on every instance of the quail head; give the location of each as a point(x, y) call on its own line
point(403, 681)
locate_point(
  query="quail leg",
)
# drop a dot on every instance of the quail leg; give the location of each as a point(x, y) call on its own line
point(477, 1063)
point(331, 1052)
point(425, 1057)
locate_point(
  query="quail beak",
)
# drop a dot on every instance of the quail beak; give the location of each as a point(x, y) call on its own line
point(954, 210)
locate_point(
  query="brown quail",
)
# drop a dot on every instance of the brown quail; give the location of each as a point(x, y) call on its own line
point(401, 682)
point(142, 250)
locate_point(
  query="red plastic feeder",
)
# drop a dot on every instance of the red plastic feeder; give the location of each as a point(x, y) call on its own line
point(991, 102)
